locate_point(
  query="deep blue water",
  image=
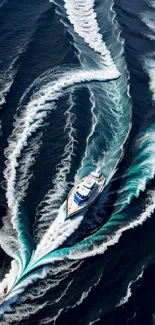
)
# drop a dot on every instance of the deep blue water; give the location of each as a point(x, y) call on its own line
point(77, 87)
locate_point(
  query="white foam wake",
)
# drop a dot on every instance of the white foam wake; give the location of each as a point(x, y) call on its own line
point(151, 3)
point(57, 233)
point(33, 118)
point(142, 169)
point(126, 298)
point(79, 302)
point(85, 294)
point(149, 67)
point(8, 238)
point(88, 248)
point(10, 277)
point(8, 282)
point(94, 123)
point(84, 252)
point(49, 281)
point(6, 80)
point(148, 19)
point(20, 312)
point(82, 16)
point(27, 160)
point(27, 123)
point(48, 209)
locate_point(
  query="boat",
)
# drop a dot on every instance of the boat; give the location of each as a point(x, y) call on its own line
point(85, 192)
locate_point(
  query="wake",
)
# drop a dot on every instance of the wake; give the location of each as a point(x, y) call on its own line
point(128, 295)
point(32, 119)
point(6, 81)
point(141, 171)
point(57, 233)
point(22, 150)
point(82, 16)
point(20, 156)
point(89, 247)
point(48, 209)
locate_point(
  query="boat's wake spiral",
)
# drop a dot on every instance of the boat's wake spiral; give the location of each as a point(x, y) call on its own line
point(21, 154)
point(25, 142)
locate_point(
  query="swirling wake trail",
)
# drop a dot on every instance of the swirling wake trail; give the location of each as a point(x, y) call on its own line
point(92, 245)
point(94, 123)
point(83, 23)
point(60, 229)
point(47, 210)
point(53, 238)
point(83, 17)
point(110, 130)
point(57, 233)
point(84, 295)
point(33, 118)
point(17, 314)
point(28, 122)
point(61, 272)
point(13, 295)
point(34, 294)
point(147, 142)
point(142, 169)
point(92, 52)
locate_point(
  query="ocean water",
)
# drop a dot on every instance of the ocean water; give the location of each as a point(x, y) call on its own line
point(77, 89)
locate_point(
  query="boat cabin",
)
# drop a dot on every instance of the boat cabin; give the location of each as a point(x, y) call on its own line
point(84, 190)
point(96, 173)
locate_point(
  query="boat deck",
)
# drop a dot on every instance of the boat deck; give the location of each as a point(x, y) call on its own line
point(72, 207)
point(71, 204)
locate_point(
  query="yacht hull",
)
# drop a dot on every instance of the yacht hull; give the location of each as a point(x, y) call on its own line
point(72, 208)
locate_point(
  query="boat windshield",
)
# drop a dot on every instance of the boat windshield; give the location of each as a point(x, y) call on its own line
point(80, 195)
